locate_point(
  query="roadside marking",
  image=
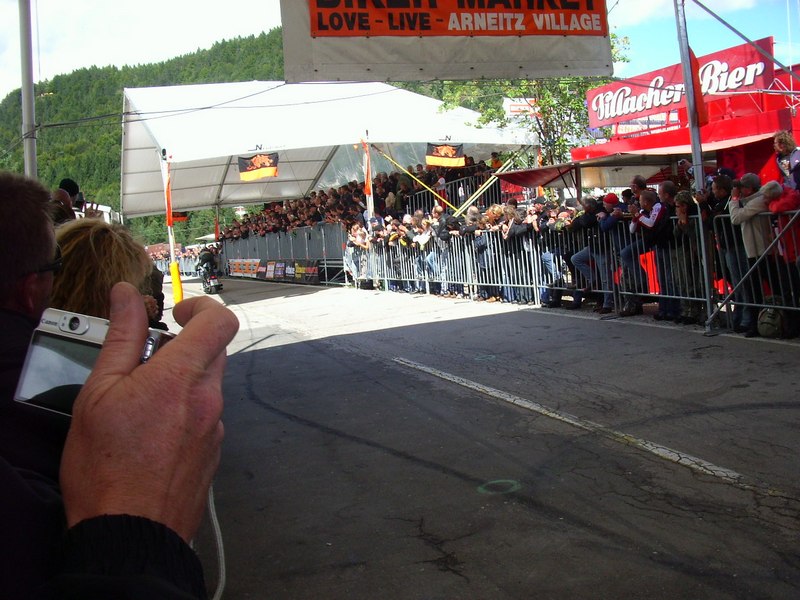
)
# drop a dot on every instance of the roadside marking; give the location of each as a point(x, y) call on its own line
point(692, 462)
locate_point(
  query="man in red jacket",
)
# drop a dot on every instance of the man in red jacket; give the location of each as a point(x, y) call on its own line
point(787, 206)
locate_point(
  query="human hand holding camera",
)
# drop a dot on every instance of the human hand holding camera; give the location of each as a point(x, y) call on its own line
point(145, 438)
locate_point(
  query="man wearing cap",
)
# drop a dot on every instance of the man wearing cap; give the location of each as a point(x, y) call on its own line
point(648, 228)
point(586, 224)
point(607, 246)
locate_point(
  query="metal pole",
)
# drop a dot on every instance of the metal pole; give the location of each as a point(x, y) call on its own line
point(694, 131)
point(28, 110)
point(691, 106)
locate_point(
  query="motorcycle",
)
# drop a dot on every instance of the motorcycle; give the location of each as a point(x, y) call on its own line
point(211, 283)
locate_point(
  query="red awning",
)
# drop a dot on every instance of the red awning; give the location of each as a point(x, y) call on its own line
point(654, 156)
point(542, 176)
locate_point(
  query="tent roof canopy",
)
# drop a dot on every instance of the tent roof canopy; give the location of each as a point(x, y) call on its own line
point(316, 129)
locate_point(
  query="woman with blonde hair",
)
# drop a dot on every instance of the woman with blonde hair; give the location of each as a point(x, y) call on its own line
point(96, 255)
point(787, 155)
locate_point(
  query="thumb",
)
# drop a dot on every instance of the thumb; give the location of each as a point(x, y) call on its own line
point(122, 349)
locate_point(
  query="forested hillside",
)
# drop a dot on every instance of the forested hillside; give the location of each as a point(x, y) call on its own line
point(80, 119)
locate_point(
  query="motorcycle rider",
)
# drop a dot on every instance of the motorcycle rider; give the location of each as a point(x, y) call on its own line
point(206, 265)
point(205, 262)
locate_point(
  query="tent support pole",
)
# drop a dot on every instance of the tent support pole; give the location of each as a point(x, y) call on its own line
point(321, 171)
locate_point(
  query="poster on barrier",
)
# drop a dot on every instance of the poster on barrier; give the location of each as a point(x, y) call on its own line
point(306, 271)
point(270, 273)
point(243, 267)
point(289, 271)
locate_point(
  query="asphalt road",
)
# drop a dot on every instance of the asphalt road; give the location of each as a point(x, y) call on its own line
point(383, 445)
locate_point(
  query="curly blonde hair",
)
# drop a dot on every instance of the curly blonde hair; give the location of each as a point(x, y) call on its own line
point(95, 256)
point(786, 139)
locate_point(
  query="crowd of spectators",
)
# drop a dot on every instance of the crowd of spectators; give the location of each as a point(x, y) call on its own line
point(579, 242)
point(347, 203)
point(189, 253)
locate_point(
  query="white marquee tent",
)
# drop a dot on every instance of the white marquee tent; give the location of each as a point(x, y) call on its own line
point(316, 129)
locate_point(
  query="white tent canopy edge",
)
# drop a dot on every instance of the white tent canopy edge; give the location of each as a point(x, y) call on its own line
point(316, 129)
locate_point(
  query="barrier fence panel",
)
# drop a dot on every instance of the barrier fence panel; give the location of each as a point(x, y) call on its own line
point(322, 243)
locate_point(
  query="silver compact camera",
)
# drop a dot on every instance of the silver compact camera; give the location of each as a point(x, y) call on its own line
point(62, 353)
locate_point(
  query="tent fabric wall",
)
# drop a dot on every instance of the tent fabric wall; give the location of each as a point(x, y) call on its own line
point(201, 130)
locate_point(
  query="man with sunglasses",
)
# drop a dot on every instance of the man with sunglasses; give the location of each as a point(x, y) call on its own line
point(79, 518)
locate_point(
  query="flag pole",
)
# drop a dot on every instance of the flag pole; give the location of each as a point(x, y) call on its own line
point(691, 97)
point(174, 270)
point(368, 179)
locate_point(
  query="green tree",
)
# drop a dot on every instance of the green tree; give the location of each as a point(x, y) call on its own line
point(560, 117)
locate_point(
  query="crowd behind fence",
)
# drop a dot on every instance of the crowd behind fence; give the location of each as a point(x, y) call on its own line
point(696, 271)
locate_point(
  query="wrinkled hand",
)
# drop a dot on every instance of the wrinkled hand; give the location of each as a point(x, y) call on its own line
point(145, 438)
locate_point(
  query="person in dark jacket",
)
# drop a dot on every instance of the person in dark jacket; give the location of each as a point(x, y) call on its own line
point(516, 266)
point(587, 226)
point(669, 307)
point(30, 443)
point(729, 242)
point(648, 227)
point(74, 526)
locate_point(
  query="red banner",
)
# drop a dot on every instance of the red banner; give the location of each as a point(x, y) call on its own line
point(721, 74)
point(422, 18)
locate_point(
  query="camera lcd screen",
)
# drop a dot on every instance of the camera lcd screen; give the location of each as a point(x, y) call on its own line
point(55, 369)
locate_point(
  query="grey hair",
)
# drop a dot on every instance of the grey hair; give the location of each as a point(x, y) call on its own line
point(750, 180)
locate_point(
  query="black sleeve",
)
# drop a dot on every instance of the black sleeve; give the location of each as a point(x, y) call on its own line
point(121, 556)
point(519, 229)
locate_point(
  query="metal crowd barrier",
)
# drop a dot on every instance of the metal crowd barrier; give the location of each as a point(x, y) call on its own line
point(186, 265)
point(322, 242)
point(703, 272)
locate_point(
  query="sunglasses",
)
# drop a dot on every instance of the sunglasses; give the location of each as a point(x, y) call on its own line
point(54, 266)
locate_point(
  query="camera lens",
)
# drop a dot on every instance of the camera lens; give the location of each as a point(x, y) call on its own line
point(74, 323)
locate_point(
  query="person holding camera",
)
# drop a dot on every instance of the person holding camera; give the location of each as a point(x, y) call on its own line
point(116, 517)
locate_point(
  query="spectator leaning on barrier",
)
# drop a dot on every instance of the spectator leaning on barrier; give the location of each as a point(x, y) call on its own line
point(687, 271)
point(746, 210)
point(584, 228)
point(668, 307)
point(648, 227)
point(781, 202)
point(596, 251)
point(732, 256)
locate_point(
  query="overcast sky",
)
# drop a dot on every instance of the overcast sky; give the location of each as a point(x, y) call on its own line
point(71, 34)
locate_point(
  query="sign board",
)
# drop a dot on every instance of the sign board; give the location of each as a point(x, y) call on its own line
point(732, 71)
point(419, 40)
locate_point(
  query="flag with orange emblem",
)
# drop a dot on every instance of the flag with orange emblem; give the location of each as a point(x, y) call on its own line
point(445, 155)
point(258, 166)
